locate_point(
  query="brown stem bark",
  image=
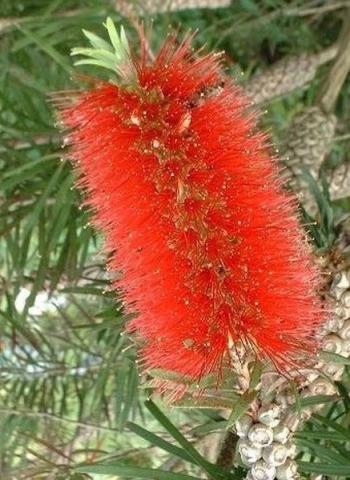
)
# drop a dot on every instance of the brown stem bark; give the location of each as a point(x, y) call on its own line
point(333, 83)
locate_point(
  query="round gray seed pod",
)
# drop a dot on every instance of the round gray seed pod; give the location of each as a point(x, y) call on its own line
point(340, 281)
point(336, 293)
point(281, 434)
point(248, 452)
point(292, 449)
point(333, 370)
point(344, 331)
point(334, 324)
point(263, 471)
point(309, 374)
point(270, 415)
point(332, 343)
point(345, 299)
point(276, 454)
point(346, 349)
point(243, 425)
point(316, 476)
point(341, 311)
point(260, 435)
point(321, 386)
point(287, 471)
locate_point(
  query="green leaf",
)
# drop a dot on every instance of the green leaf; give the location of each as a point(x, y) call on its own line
point(48, 49)
point(209, 427)
point(344, 395)
point(325, 468)
point(171, 376)
point(334, 358)
point(119, 42)
point(97, 42)
point(333, 425)
point(212, 470)
point(103, 54)
point(133, 472)
point(159, 442)
point(320, 435)
point(83, 290)
point(316, 400)
point(97, 63)
point(33, 217)
point(241, 407)
point(255, 375)
point(26, 171)
point(204, 401)
point(323, 453)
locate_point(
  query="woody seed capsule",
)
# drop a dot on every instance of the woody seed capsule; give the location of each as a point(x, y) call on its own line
point(260, 435)
point(346, 349)
point(321, 387)
point(332, 343)
point(262, 471)
point(341, 311)
point(340, 281)
point(309, 374)
point(249, 453)
point(334, 324)
point(345, 299)
point(292, 449)
point(287, 471)
point(281, 433)
point(344, 332)
point(270, 415)
point(243, 425)
point(333, 370)
point(276, 454)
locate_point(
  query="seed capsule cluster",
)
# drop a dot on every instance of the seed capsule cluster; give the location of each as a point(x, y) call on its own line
point(339, 186)
point(265, 444)
point(149, 7)
point(308, 141)
point(266, 432)
point(286, 75)
point(337, 330)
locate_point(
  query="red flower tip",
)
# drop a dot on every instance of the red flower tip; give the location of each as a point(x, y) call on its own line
point(193, 209)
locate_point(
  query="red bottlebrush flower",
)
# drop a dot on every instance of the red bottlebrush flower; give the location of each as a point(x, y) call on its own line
point(193, 209)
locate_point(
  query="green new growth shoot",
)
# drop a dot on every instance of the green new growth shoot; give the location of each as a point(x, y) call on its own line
point(113, 56)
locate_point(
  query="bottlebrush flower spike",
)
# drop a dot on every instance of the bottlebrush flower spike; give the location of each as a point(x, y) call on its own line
point(193, 209)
